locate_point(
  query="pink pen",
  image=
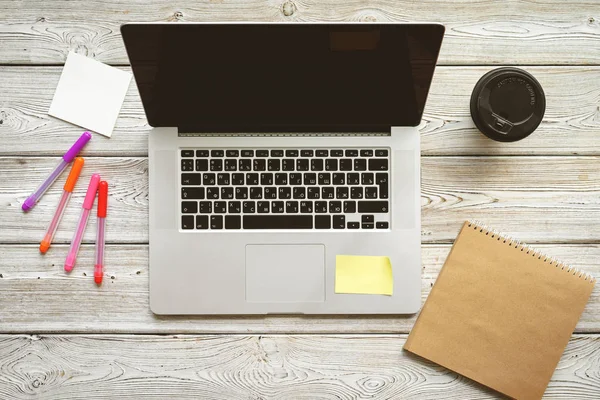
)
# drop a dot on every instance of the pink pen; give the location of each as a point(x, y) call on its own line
point(102, 203)
point(88, 202)
point(31, 201)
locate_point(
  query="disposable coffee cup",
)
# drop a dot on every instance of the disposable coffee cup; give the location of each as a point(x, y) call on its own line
point(507, 104)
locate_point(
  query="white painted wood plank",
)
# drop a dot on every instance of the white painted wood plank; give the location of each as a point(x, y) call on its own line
point(37, 296)
point(571, 124)
point(535, 199)
point(254, 367)
point(486, 32)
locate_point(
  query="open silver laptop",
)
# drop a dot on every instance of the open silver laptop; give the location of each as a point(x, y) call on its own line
point(275, 148)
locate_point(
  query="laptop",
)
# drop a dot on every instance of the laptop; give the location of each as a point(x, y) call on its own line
point(275, 148)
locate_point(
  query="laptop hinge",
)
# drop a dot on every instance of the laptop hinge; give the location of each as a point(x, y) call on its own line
point(281, 134)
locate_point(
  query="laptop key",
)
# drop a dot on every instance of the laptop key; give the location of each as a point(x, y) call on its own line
point(322, 222)
point(201, 221)
point(349, 207)
point(367, 218)
point(302, 164)
point(192, 193)
point(331, 164)
point(322, 153)
point(327, 192)
point(278, 221)
point(237, 179)
point(287, 164)
point(189, 207)
point(187, 153)
point(291, 153)
point(259, 164)
point(247, 153)
point(346, 164)
point(367, 178)
point(382, 225)
point(191, 179)
point(266, 178)
point(277, 153)
point(371, 192)
point(306, 207)
point(335, 207)
point(291, 207)
point(230, 165)
point(320, 207)
point(223, 179)
point(216, 164)
point(378, 164)
point(220, 207)
point(252, 179)
point(262, 153)
point(202, 164)
point(339, 221)
point(306, 153)
point(310, 178)
point(206, 207)
point(367, 226)
point(241, 193)
point(366, 153)
point(234, 207)
point(233, 222)
point(299, 193)
point(381, 153)
point(373, 207)
point(295, 178)
point(316, 164)
point(212, 193)
point(339, 179)
point(313, 193)
point(232, 153)
point(337, 153)
point(360, 164)
point(249, 207)
point(208, 179)
point(187, 165)
point(202, 153)
point(285, 192)
point(356, 192)
point(277, 207)
point(270, 193)
point(256, 192)
point(353, 225)
point(187, 222)
point(216, 222)
point(341, 192)
point(351, 153)
point(227, 193)
point(263, 207)
point(217, 153)
point(353, 178)
point(281, 179)
point(273, 164)
point(245, 164)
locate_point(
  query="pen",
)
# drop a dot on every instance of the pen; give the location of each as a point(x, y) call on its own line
point(88, 202)
point(62, 204)
point(102, 202)
point(30, 202)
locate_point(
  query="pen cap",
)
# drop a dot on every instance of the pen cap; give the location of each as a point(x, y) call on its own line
point(77, 146)
point(88, 202)
point(74, 174)
point(102, 198)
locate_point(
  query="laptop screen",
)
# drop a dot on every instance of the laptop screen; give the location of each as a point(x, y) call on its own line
point(283, 77)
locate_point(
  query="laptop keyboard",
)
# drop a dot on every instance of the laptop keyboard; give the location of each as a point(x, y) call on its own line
point(304, 188)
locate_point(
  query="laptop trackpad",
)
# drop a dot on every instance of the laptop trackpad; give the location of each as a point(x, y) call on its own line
point(285, 273)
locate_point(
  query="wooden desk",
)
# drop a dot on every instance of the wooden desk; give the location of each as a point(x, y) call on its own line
point(61, 337)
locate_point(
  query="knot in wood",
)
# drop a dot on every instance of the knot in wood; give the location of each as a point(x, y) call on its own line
point(288, 8)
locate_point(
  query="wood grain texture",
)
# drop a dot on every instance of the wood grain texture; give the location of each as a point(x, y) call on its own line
point(254, 367)
point(487, 32)
point(571, 123)
point(49, 300)
point(535, 199)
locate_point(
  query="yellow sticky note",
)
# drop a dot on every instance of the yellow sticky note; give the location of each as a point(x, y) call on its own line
point(364, 275)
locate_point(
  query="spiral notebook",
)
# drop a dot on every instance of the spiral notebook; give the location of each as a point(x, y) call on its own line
point(500, 313)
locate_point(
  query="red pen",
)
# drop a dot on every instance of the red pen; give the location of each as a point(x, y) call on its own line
point(102, 203)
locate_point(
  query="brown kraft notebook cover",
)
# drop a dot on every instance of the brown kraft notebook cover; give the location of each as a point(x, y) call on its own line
point(500, 313)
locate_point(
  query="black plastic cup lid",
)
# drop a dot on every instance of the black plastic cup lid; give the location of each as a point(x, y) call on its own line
point(507, 104)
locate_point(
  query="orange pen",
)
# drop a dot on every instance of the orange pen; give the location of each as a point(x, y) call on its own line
point(62, 204)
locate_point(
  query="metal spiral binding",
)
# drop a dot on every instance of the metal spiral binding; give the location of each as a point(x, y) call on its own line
point(477, 225)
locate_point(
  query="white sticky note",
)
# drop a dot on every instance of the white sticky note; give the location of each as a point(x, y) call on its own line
point(90, 94)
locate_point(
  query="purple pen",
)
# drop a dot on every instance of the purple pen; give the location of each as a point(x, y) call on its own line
point(31, 201)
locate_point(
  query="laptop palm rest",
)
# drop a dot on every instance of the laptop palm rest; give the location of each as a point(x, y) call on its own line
point(285, 273)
